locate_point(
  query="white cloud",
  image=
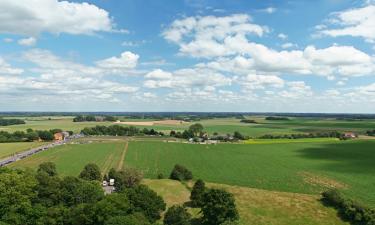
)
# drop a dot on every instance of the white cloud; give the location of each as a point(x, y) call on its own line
point(187, 78)
point(288, 45)
point(32, 17)
point(127, 60)
point(8, 40)
point(254, 81)
point(269, 10)
point(31, 41)
point(7, 69)
point(356, 22)
point(158, 74)
point(207, 36)
point(282, 36)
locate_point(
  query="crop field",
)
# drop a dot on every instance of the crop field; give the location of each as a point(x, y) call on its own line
point(221, 126)
point(8, 149)
point(291, 167)
point(255, 206)
point(302, 167)
point(71, 158)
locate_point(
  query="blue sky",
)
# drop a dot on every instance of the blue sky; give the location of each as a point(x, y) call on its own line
point(188, 55)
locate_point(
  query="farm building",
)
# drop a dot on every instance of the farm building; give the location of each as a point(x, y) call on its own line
point(61, 136)
point(350, 135)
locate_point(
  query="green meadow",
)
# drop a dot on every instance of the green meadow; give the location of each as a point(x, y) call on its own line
point(302, 167)
point(219, 125)
point(8, 149)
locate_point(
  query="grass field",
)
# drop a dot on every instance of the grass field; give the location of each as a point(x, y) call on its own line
point(71, 158)
point(222, 125)
point(258, 206)
point(8, 149)
point(305, 167)
point(290, 167)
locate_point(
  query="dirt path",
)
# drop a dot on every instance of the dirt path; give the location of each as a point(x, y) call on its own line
point(122, 160)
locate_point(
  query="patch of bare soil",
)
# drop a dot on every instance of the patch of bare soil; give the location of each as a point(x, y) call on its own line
point(322, 181)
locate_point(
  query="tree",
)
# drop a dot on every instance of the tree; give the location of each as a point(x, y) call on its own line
point(116, 204)
point(180, 173)
point(238, 135)
point(177, 215)
point(91, 172)
point(48, 167)
point(127, 178)
point(76, 191)
point(218, 206)
point(146, 201)
point(196, 129)
point(45, 135)
point(132, 219)
point(197, 193)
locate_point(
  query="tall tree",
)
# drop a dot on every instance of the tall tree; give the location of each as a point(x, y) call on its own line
point(218, 206)
point(91, 172)
point(197, 193)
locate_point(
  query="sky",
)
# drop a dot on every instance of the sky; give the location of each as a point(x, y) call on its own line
point(188, 55)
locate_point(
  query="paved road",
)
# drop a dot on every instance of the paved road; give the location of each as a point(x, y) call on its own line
point(33, 151)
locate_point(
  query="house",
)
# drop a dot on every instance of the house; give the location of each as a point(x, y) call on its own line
point(58, 136)
point(350, 135)
point(61, 136)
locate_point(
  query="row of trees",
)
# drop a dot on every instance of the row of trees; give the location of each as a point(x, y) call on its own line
point(349, 210)
point(332, 134)
point(28, 136)
point(8, 122)
point(83, 118)
point(42, 197)
point(370, 132)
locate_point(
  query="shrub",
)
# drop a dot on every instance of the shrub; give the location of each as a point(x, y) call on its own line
point(180, 173)
point(160, 176)
point(197, 193)
point(177, 215)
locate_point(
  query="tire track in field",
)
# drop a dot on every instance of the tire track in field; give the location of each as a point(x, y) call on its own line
point(107, 164)
point(122, 159)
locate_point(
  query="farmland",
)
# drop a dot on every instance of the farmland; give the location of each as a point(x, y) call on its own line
point(219, 125)
point(7, 149)
point(301, 167)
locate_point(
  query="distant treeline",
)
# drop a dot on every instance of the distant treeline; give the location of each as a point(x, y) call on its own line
point(117, 130)
point(82, 118)
point(8, 122)
point(28, 136)
point(370, 132)
point(349, 210)
point(332, 134)
point(247, 121)
point(276, 118)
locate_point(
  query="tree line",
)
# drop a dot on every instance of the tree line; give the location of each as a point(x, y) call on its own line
point(29, 136)
point(43, 197)
point(8, 122)
point(331, 134)
point(349, 210)
point(92, 118)
point(118, 130)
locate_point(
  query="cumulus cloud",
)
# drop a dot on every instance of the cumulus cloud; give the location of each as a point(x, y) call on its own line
point(7, 69)
point(356, 22)
point(127, 60)
point(187, 78)
point(33, 17)
point(254, 81)
point(158, 74)
point(31, 41)
point(206, 36)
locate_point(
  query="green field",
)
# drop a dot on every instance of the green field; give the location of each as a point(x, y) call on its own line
point(8, 149)
point(303, 167)
point(71, 158)
point(222, 125)
point(257, 206)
